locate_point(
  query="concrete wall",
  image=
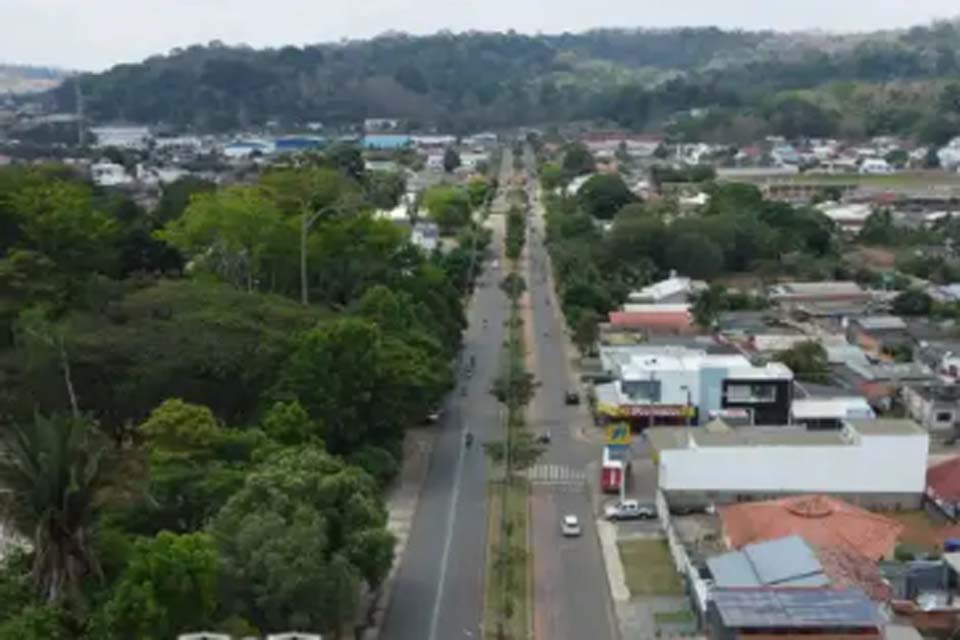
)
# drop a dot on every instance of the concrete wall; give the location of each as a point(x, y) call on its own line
point(871, 464)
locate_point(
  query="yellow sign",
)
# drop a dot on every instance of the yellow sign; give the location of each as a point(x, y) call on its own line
point(619, 434)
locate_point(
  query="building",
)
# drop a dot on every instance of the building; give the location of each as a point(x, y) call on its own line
point(386, 141)
point(849, 218)
point(880, 462)
point(936, 407)
point(818, 292)
point(781, 562)
point(875, 166)
point(121, 137)
point(426, 235)
point(880, 383)
point(673, 319)
point(830, 413)
point(110, 174)
point(804, 613)
point(246, 149)
point(295, 144)
point(688, 386)
point(820, 520)
point(879, 335)
point(673, 290)
point(943, 486)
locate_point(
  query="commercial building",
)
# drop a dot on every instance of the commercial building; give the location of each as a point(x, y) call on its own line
point(674, 319)
point(688, 386)
point(801, 292)
point(870, 462)
point(121, 137)
point(830, 413)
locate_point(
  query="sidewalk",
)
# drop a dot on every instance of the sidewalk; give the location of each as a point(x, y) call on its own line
point(401, 506)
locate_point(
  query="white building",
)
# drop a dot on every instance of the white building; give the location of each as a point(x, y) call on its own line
point(425, 235)
point(875, 166)
point(848, 217)
point(882, 462)
point(245, 149)
point(675, 289)
point(121, 137)
point(950, 155)
point(830, 412)
point(110, 174)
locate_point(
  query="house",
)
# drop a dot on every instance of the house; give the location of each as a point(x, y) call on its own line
point(110, 174)
point(426, 235)
point(820, 520)
point(245, 149)
point(849, 218)
point(875, 166)
point(934, 406)
point(654, 318)
point(791, 561)
point(686, 386)
point(880, 383)
point(803, 613)
point(943, 486)
point(950, 155)
point(942, 356)
point(879, 335)
point(876, 462)
point(829, 413)
point(674, 290)
point(817, 292)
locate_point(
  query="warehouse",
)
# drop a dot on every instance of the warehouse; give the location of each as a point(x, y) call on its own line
point(879, 463)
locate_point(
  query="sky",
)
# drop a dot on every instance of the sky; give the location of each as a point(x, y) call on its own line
point(96, 34)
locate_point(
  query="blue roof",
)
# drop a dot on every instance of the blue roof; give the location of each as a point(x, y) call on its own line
point(386, 141)
point(782, 562)
point(795, 608)
point(293, 143)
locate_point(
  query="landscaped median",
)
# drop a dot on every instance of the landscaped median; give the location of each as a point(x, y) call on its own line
point(506, 611)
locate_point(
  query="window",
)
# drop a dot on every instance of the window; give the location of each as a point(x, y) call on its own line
point(642, 389)
point(944, 417)
point(751, 393)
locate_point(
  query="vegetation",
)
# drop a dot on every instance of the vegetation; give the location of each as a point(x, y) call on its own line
point(808, 361)
point(701, 83)
point(187, 445)
point(649, 568)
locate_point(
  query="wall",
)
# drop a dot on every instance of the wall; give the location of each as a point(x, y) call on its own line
point(892, 464)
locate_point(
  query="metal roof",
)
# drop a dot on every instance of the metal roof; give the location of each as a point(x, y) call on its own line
point(795, 608)
point(887, 427)
point(785, 562)
point(882, 323)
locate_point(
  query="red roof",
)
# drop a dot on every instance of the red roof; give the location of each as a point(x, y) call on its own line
point(675, 321)
point(943, 479)
point(820, 520)
point(847, 568)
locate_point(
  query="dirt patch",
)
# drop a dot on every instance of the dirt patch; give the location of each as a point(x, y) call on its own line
point(923, 530)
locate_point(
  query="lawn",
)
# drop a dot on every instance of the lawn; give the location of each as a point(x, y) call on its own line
point(649, 568)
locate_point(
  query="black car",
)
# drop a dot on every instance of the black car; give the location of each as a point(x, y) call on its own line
point(572, 398)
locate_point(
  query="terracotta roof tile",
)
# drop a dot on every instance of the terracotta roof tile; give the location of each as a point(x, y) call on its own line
point(820, 520)
point(943, 479)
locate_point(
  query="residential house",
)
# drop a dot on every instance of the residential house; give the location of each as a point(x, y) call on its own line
point(426, 235)
point(875, 166)
point(674, 290)
point(934, 406)
point(876, 462)
point(110, 174)
point(879, 336)
point(849, 218)
point(654, 318)
point(880, 383)
point(943, 486)
point(121, 137)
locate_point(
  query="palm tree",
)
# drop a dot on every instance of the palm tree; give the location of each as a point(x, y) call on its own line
point(53, 479)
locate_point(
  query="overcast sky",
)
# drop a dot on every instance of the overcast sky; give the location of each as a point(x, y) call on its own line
point(95, 34)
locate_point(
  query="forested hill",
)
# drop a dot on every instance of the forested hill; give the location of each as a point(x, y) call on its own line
point(473, 80)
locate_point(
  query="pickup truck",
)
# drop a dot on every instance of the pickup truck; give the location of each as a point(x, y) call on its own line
point(631, 510)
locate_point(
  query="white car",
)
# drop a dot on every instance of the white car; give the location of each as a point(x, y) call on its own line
point(570, 527)
point(631, 510)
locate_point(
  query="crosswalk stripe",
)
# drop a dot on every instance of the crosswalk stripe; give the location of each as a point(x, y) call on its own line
point(555, 474)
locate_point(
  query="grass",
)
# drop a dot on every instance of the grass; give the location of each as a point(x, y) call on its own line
point(682, 616)
point(649, 568)
point(508, 580)
point(912, 179)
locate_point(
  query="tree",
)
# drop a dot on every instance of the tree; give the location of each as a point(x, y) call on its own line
point(551, 176)
point(913, 302)
point(348, 159)
point(451, 159)
point(880, 229)
point(694, 253)
point(586, 331)
point(808, 361)
point(169, 587)
point(56, 477)
point(577, 161)
point(176, 196)
point(297, 540)
point(448, 206)
point(603, 195)
point(708, 305)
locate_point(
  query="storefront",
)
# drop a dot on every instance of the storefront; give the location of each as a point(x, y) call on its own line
point(641, 416)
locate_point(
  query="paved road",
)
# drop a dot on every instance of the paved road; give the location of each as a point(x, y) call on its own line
point(571, 593)
point(438, 591)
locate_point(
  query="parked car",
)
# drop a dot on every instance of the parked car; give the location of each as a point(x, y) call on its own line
point(572, 398)
point(570, 526)
point(631, 510)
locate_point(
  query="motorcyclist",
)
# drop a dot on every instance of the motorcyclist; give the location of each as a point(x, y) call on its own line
point(468, 439)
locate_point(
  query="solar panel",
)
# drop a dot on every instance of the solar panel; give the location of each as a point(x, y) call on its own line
point(795, 608)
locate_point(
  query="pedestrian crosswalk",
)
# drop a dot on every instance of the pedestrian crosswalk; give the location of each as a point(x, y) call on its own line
point(555, 474)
